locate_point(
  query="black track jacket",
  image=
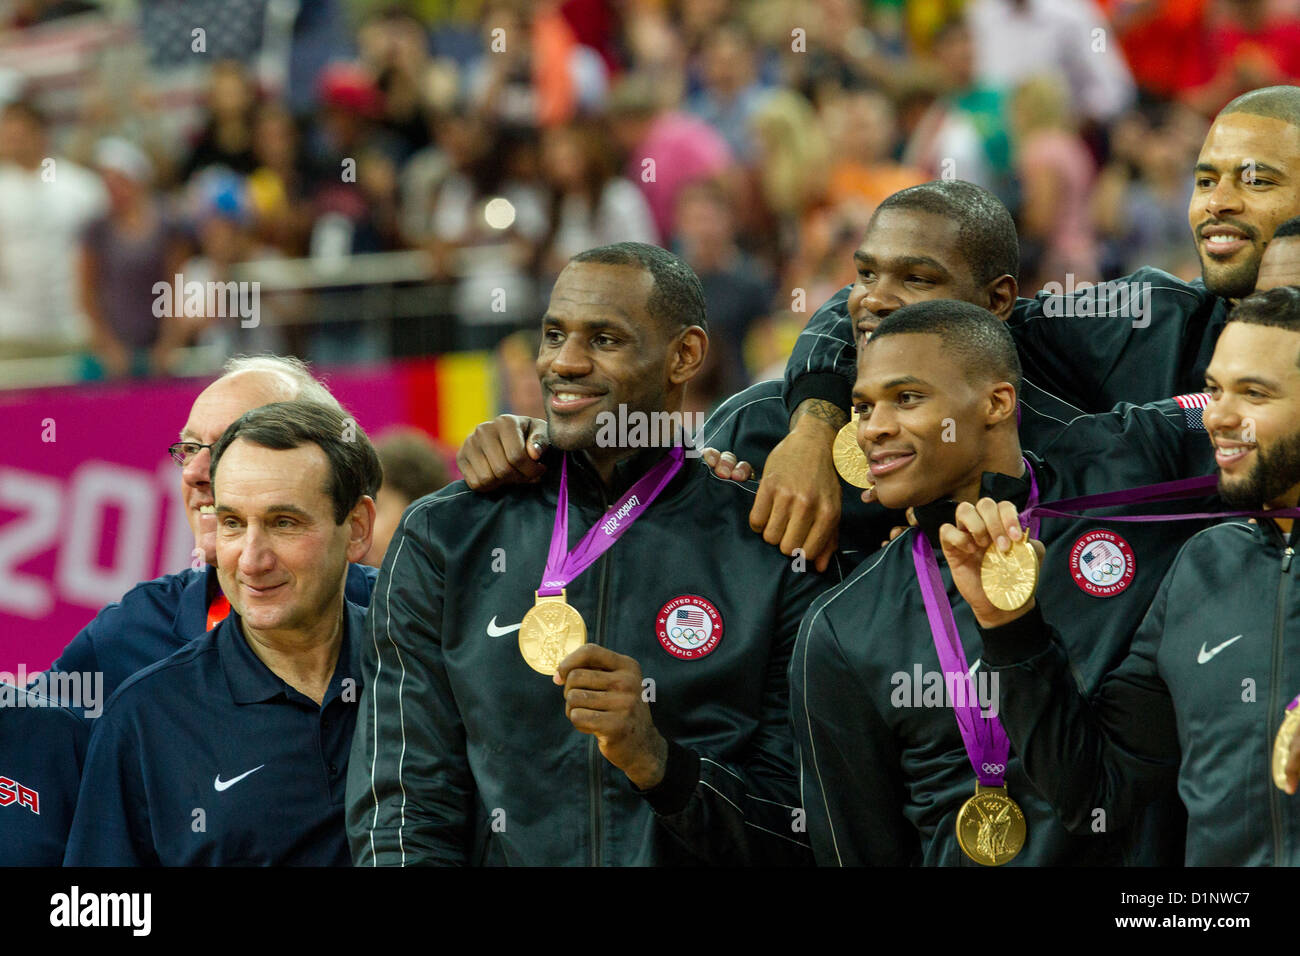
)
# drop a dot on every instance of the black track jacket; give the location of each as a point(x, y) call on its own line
point(883, 767)
point(1199, 698)
point(463, 754)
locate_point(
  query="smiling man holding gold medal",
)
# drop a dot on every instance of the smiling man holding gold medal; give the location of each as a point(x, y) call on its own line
point(903, 757)
point(629, 577)
point(1205, 697)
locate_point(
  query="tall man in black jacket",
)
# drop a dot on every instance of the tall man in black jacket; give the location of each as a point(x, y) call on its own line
point(1139, 338)
point(1200, 697)
point(668, 740)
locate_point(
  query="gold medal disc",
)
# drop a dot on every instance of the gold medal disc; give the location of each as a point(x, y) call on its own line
point(850, 462)
point(990, 826)
point(1010, 577)
point(550, 632)
point(1282, 746)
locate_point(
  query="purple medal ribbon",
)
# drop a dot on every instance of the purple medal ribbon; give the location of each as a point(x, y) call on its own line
point(987, 744)
point(1165, 491)
point(562, 567)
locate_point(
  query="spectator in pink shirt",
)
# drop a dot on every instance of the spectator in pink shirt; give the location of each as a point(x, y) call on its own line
point(1056, 173)
point(666, 149)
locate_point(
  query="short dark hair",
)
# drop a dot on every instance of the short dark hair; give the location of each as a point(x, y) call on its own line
point(1289, 228)
point(354, 467)
point(1275, 102)
point(677, 300)
point(1278, 308)
point(977, 337)
point(985, 230)
point(412, 465)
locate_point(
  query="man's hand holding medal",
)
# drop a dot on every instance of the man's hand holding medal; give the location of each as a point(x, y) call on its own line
point(993, 561)
point(603, 697)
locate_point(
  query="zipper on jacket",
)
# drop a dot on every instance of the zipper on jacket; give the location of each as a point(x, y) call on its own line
point(1274, 801)
point(594, 758)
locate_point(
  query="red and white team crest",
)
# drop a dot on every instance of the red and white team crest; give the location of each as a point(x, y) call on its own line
point(1102, 563)
point(689, 627)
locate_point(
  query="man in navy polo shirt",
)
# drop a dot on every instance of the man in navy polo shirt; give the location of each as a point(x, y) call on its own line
point(234, 750)
point(42, 748)
point(157, 618)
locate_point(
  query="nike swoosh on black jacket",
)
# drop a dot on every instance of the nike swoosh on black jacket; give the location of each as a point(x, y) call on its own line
point(1173, 709)
point(463, 753)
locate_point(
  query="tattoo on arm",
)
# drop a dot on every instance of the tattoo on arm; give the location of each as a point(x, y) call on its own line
point(825, 411)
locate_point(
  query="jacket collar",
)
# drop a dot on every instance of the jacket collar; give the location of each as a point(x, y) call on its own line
point(931, 517)
point(585, 486)
point(251, 681)
point(1267, 531)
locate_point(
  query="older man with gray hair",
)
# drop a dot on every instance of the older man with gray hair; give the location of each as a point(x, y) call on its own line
point(157, 618)
point(248, 728)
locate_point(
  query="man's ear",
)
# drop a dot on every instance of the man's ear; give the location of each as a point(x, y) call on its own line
point(686, 356)
point(361, 528)
point(1001, 294)
point(1002, 404)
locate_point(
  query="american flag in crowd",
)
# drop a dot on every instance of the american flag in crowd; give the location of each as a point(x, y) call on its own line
point(56, 62)
point(233, 27)
point(1192, 404)
point(689, 616)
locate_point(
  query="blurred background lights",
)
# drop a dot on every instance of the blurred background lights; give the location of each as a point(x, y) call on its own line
point(499, 213)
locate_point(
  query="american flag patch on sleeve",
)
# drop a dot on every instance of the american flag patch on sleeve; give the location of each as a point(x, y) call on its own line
point(1192, 405)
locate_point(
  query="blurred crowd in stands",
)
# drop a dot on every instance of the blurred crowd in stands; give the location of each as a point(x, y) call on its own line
point(152, 139)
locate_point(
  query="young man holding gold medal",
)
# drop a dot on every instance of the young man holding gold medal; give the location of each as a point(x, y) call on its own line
point(1206, 695)
point(902, 756)
point(626, 576)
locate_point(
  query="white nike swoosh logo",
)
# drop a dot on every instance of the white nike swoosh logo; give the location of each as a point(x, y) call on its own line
point(494, 631)
point(220, 784)
point(973, 667)
point(1203, 655)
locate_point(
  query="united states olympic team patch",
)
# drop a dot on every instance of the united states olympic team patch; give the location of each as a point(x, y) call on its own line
point(1102, 563)
point(689, 627)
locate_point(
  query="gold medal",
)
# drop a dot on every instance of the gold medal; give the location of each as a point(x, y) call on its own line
point(850, 461)
point(1010, 577)
point(990, 826)
point(550, 632)
point(1282, 745)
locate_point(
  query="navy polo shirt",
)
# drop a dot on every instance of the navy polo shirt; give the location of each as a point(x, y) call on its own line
point(155, 619)
point(209, 759)
point(42, 749)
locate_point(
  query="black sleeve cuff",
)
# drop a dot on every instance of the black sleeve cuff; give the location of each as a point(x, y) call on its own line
point(1014, 643)
point(681, 775)
point(828, 386)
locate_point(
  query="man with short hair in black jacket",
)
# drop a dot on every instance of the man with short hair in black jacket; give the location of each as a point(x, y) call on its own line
point(884, 768)
point(1201, 696)
point(668, 741)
